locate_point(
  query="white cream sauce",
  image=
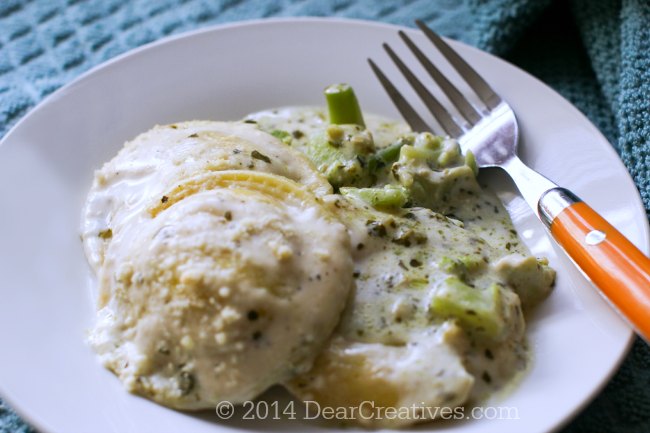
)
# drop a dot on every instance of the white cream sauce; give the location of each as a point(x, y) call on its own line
point(398, 257)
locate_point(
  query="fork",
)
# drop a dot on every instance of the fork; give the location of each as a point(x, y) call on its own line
point(619, 270)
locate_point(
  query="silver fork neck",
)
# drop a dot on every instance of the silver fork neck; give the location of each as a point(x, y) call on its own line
point(531, 184)
point(493, 140)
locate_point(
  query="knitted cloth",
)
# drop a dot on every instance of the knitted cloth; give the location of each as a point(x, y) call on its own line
point(595, 53)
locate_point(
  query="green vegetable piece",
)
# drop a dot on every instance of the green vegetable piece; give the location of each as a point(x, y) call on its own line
point(462, 266)
point(478, 311)
point(390, 154)
point(434, 172)
point(470, 161)
point(388, 197)
point(341, 153)
point(283, 136)
point(427, 140)
point(446, 158)
point(531, 278)
point(343, 106)
point(418, 154)
point(432, 151)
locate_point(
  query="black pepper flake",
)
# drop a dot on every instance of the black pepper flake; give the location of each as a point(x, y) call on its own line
point(360, 246)
point(257, 335)
point(415, 263)
point(257, 155)
point(486, 377)
point(250, 121)
point(356, 274)
point(185, 382)
point(375, 228)
point(253, 315)
point(173, 126)
point(318, 277)
point(106, 234)
point(193, 136)
point(402, 241)
point(228, 215)
point(298, 134)
point(236, 151)
point(408, 237)
point(402, 265)
point(164, 199)
point(488, 354)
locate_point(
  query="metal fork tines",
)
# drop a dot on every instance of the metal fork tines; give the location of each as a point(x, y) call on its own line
point(449, 124)
point(491, 134)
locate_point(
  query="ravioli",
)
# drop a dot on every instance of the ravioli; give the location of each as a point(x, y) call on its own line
point(209, 279)
point(138, 177)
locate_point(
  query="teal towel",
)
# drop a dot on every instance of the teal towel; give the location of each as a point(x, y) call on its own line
point(596, 53)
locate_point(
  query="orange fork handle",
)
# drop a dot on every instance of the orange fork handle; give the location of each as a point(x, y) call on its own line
point(613, 263)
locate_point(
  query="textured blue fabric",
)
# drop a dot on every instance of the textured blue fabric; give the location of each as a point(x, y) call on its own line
point(595, 52)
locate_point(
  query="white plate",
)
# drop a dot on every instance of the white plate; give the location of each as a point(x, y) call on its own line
point(46, 163)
